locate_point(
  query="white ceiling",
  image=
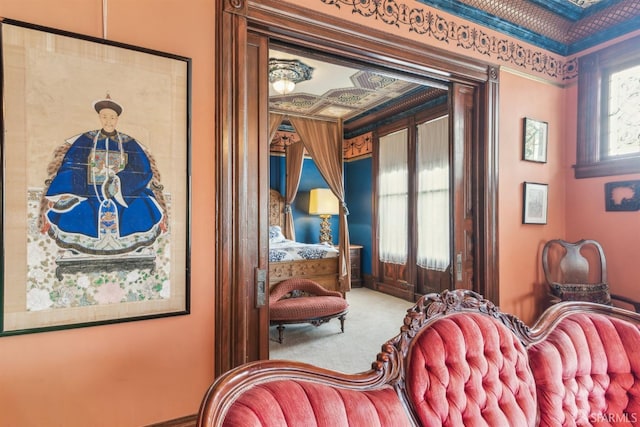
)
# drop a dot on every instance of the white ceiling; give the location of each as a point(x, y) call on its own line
point(336, 91)
point(325, 76)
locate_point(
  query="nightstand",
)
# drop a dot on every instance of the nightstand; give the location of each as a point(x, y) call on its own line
point(355, 254)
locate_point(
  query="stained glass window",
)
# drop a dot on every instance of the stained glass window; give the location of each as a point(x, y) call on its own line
point(624, 112)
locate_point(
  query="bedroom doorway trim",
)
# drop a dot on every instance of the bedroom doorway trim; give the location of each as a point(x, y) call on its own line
point(243, 33)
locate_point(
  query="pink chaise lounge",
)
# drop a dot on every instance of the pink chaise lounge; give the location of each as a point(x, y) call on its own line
point(300, 300)
point(458, 361)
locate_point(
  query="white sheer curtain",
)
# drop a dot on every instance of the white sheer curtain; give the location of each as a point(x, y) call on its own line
point(393, 197)
point(433, 194)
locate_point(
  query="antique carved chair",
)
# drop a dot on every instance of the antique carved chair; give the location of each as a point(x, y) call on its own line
point(578, 272)
point(299, 300)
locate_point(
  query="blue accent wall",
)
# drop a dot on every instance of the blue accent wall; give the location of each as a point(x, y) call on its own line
point(277, 173)
point(359, 197)
point(307, 226)
point(358, 194)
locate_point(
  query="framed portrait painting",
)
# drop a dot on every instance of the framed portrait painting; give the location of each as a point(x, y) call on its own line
point(95, 187)
point(535, 200)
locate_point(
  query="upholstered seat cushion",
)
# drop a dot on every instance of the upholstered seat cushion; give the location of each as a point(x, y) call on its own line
point(587, 372)
point(299, 403)
point(306, 307)
point(592, 292)
point(458, 361)
point(468, 369)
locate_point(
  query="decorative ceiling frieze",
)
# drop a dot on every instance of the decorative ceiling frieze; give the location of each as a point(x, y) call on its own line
point(281, 140)
point(357, 147)
point(511, 33)
point(562, 27)
point(352, 148)
point(427, 22)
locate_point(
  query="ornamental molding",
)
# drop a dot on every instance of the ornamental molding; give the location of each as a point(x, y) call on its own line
point(427, 22)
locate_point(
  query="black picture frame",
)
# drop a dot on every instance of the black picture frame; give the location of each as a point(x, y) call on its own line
point(622, 196)
point(535, 203)
point(534, 140)
point(95, 217)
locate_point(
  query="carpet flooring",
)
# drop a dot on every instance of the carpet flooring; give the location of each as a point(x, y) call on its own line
point(373, 319)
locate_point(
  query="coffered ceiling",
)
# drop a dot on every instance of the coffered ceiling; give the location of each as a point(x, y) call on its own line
point(339, 91)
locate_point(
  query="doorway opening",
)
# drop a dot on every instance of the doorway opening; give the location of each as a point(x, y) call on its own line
point(243, 152)
point(367, 101)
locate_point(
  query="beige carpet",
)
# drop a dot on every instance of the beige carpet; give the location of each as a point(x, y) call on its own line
point(373, 319)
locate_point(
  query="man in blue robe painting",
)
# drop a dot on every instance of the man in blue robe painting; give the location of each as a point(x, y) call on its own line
point(104, 195)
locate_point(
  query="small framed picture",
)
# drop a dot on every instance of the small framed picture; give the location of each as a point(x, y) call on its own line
point(534, 141)
point(534, 209)
point(622, 196)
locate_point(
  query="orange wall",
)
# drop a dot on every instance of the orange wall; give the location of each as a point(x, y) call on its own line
point(141, 372)
point(522, 286)
point(576, 207)
point(617, 232)
point(134, 373)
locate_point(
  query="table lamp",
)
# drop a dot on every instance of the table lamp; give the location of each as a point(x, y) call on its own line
point(324, 203)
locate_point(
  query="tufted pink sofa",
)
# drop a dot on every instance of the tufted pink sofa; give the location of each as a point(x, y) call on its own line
point(458, 361)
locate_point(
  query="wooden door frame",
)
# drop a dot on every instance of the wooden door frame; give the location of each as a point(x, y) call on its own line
point(237, 332)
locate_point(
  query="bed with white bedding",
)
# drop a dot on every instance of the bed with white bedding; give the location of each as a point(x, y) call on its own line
point(281, 249)
point(287, 259)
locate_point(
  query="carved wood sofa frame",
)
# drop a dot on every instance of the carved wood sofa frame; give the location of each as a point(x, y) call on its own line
point(392, 394)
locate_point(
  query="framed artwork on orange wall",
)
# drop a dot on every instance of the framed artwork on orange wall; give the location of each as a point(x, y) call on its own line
point(534, 140)
point(95, 187)
point(535, 199)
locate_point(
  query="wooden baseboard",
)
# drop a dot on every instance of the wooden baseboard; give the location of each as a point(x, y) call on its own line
point(188, 421)
point(402, 290)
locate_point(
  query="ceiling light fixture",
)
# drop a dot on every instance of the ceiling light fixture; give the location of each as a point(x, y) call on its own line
point(284, 74)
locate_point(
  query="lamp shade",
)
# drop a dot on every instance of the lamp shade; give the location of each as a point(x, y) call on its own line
point(322, 201)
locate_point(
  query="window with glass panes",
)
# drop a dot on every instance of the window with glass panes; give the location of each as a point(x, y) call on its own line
point(609, 111)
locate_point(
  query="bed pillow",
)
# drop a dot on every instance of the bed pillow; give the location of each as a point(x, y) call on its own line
point(275, 234)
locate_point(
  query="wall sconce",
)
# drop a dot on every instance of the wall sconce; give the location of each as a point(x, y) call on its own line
point(324, 203)
point(285, 73)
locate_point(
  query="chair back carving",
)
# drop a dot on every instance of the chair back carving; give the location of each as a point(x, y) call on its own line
point(576, 271)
